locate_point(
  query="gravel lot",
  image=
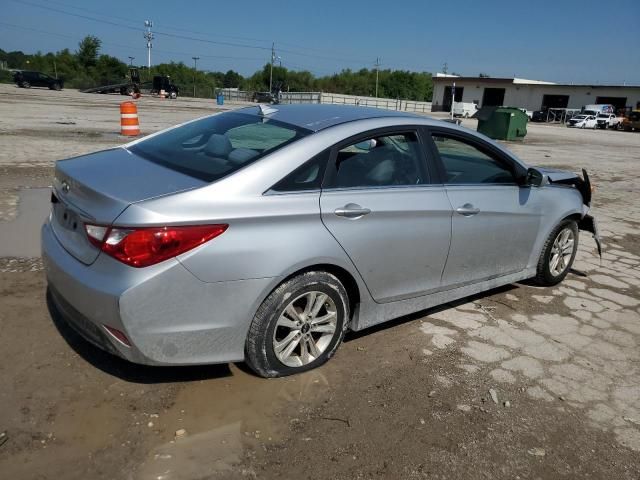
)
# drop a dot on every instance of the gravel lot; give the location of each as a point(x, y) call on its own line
point(520, 382)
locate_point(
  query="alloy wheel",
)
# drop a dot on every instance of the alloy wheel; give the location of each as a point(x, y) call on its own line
point(561, 252)
point(305, 329)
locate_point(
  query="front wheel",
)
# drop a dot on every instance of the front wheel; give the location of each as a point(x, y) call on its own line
point(558, 254)
point(299, 326)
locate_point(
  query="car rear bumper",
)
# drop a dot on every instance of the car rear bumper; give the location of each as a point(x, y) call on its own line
point(169, 316)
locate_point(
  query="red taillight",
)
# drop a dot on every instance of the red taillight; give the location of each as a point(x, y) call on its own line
point(141, 247)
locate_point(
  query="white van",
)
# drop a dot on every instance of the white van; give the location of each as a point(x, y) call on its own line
point(464, 109)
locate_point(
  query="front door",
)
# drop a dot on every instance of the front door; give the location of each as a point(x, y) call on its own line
point(495, 222)
point(379, 204)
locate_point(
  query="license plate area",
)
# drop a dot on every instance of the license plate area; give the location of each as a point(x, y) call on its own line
point(65, 217)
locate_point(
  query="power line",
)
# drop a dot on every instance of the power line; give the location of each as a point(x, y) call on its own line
point(169, 52)
point(183, 37)
point(207, 34)
point(116, 24)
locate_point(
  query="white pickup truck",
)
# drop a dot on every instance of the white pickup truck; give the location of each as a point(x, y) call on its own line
point(464, 109)
point(608, 120)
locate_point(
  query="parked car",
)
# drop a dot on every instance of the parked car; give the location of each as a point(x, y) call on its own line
point(265, 97)
point(28, 79)
point(582, 121)
point(608, 120)
point(265, 233)
point(539, 116)
point(464, 109)
point(528, 113)
point(632, 122)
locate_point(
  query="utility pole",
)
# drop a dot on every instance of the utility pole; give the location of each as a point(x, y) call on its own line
point(195, 69)
point(55, 68)
point(131, 61)
point(444, 68)
point(149, 36)
point(377, 64)
point(273, 59)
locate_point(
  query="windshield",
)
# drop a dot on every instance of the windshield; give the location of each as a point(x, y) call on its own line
point(580, 117)
point(603, 115)
point(216, 146)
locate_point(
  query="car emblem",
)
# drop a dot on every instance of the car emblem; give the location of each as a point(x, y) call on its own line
point(65, 187)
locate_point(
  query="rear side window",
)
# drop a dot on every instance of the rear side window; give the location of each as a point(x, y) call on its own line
point(214, 147)
point(465, 163)
point(381, 161)
point(306, 177)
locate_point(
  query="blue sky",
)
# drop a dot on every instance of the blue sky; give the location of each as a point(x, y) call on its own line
point(583, 41)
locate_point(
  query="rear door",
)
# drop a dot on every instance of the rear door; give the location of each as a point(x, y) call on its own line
point(495, 221)
point(380, 204)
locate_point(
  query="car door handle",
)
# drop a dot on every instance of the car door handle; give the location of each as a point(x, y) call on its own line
point(351, 210)
point(467, 210)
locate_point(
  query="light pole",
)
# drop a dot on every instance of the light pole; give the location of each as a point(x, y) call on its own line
point(273, 59)
point(195, 69)
point(131, 61)
point(377, 64)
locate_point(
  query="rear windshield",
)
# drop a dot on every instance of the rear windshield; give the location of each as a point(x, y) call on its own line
point(214, 147)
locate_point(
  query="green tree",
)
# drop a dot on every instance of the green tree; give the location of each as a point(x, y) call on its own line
point(232, 79)
point(88, 50)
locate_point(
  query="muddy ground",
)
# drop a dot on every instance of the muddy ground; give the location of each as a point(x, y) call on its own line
point(413, 399)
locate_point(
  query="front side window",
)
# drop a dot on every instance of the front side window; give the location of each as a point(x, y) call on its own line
point(467, 164)
point(216, 146)
point(380, 161)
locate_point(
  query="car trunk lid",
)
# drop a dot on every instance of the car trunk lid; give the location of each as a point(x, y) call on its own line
point(98, 187)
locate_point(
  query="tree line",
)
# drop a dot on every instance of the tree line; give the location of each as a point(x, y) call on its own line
point(87, 67)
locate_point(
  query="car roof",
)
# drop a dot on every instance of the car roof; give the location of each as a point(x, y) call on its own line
point(316, 117)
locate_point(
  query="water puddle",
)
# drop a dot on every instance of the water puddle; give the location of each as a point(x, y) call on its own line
point(222, 417)
point(21, 236)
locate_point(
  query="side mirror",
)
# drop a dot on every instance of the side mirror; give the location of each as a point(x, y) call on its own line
point(366, 145)
point(534, 178)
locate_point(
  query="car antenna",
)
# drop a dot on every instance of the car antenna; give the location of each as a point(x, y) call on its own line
point(264, 110)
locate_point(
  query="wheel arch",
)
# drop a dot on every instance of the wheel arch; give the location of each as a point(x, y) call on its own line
point(346, 278)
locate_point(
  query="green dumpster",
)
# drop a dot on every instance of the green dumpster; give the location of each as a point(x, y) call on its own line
point(502, 123)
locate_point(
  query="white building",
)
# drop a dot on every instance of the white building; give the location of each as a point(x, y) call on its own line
point(529, 94)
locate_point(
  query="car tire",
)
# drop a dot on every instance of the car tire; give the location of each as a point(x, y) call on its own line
point(288, 312)
point(551, 271)
point(25, 84)
point(56, 86)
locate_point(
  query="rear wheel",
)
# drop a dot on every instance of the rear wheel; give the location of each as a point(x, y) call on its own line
point(25, 84)
point(299, 326)
point(558, 254)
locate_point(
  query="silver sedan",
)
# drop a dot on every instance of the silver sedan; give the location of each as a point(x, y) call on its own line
point(264, 234)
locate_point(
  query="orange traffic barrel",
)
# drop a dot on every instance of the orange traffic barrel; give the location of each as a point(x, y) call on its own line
point(129, 119)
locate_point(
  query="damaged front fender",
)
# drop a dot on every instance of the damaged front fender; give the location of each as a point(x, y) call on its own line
point(583, 185)
point(589, 224)
point(562, 177)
